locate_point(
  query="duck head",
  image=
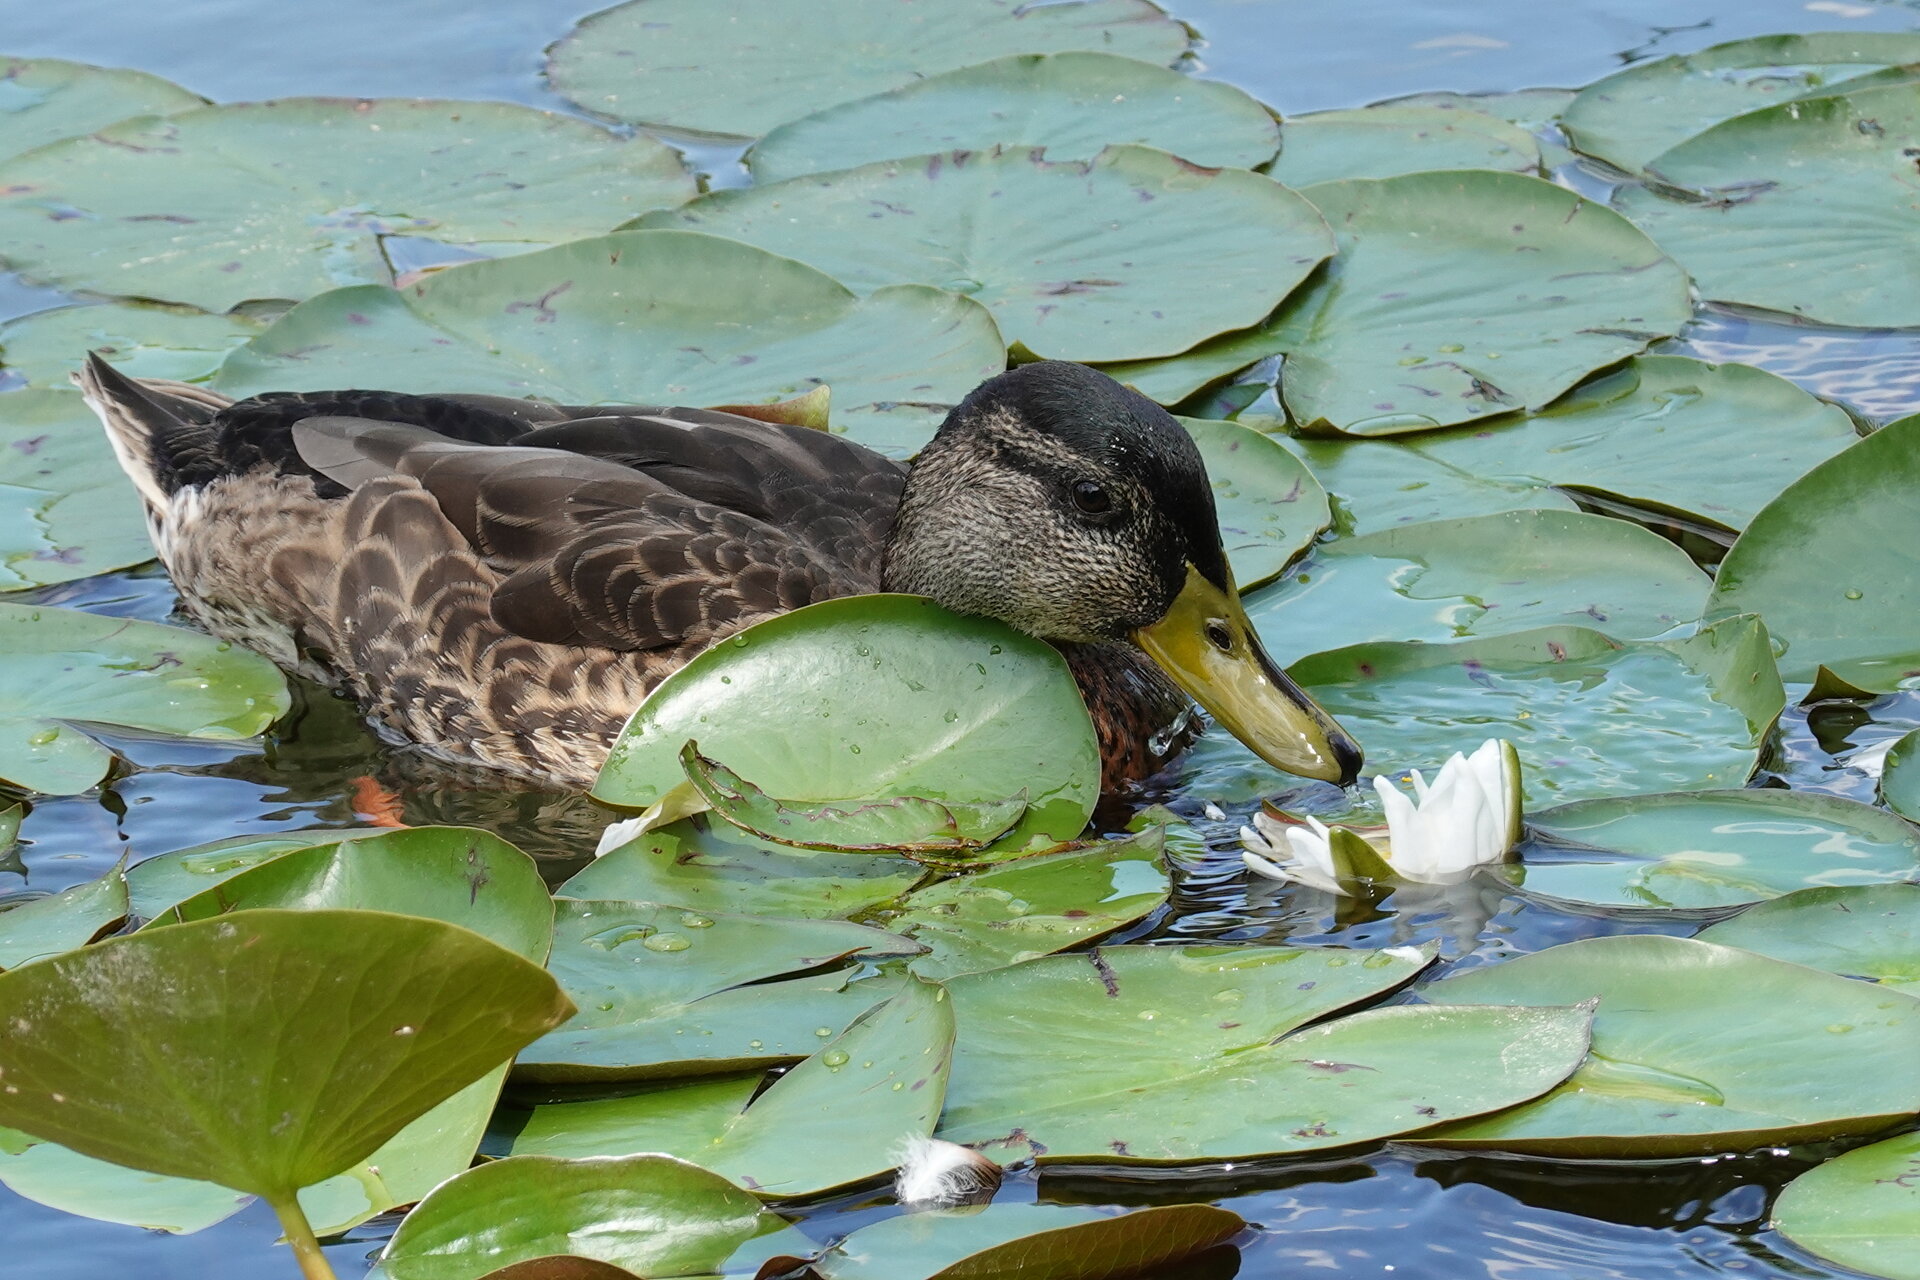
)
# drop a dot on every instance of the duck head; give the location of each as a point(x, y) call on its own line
point(1078, 511)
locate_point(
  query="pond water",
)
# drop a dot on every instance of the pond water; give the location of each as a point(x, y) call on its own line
point(1395, 1211)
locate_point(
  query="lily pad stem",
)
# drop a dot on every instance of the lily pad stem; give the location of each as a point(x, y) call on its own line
point(299, 1233)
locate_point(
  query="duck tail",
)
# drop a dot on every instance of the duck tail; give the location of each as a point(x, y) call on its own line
point(163, 433)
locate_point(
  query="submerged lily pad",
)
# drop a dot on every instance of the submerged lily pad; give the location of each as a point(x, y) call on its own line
point(1714, 442)
point(644, 977)
point(1072, 104)
point(1698, 1048)
point(43, 100)
point(690, 67)
point(651, 1214)
point(1028, 1242)
point(1830, 564)
point(1077, 260)
point(1633, 115)
point(837, 1119)
point(143, 340)
point(59, 666)
point(1860, 1210)
point(869, 682)
point(1162, 1055)
point(1035, 906)
point(1269, 505)
point(219, 205)
point(42, 927)
point(1481, 576)
point(1460, 295)
point(67, 510)
point(1802, 208)
point(643, 317)
point(710, 866)
point(1711, 849)
point(1869, 931)
point(1900, 779)
point(1381, 142)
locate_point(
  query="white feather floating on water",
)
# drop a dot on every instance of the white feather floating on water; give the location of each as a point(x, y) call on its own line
point(938, 1174)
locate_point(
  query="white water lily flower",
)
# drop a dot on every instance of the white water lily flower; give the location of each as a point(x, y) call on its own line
point(1301, 851)
point(618, 834)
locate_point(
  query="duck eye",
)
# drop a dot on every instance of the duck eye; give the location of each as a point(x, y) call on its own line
point(1090, 497)
point(1219, 637)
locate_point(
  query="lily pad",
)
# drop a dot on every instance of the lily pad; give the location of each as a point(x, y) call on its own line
point(1028, 1242)
point(166, 880)
point(1035, 906)
point(1530, 107)
point(689, 67)
point(1481, 576)
point(712, 867)
point(1653, 435)
point(219, 205)
point(58, 666)
point(1697, 1049)
point(47, 1173)
point(312, 1036)
point(1161, 1055)
point(1705, 850)
point(837, 1119)
point(44, 100)
point(143, 340)
point(1801, 208)
point(1460, 295)
point(651, 1214)
point(1381, 142)
point(42, 927)
point(1077, 260)
point(873, 684)
point(642, 317)
point(1269, 504)
point(642, 975)
point(67, 510)
point(1072, 104)
point(1633, 115)
point(1860, 1210)
point(1900, 779)
point(1831, 564)
point(1869, 931)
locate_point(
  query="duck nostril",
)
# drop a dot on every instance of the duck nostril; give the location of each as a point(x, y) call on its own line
point(1219, 637)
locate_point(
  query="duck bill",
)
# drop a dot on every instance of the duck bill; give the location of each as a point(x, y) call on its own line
point(1240, 686)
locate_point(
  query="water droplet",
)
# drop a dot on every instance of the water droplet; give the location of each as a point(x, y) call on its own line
point(898, 1085)
point(1854, 594)
point(693, 921)
point(994, 649)
point(1450, 347)
point(726, 679)
point(43, 737)
point(854, 747)
point(739, 642)
point(666, 942)
point(1408, 360)
point(1840, 1028)
point(1334, 962)
point(1232, 995)
point(835, 1058)
point(823, 1032)
point(951, 716)
point(755, 1044)
point(403, 1031)
point(863, 651)
point(1147, 1015)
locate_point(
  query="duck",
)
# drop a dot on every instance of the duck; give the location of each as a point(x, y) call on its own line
point(499, 582)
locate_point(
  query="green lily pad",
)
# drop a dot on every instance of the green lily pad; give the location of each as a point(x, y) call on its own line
point(1705, 850)
point(1633, 115)
point(1652, 435)
point(58, 666)
point(651, 1214)
point(716, 868)
point(692, 68)
point(1481, 576)
point(1382, 142)
point(1801, 208)
point(870, 683)
point(47, 1173)
point(1035, 906)
point(10, 828)
point(1869, 931)
point(1072, 104)
point(44, 100)
point(1697, 1049)
point(143, 340)
point(1161, 1055)
point(67, 510)
point(1461, 295)
point(836, 1119)
point(1530, 107)
point(642, 975)
point(216, 206)
point(905, 824)
point(312, 1036)
point(1900, 779)
point(42, 927)
point(164, 881)
point(1028, 1242)
point(642, 317)
point(1831, 564)
point(1269, 504)
point(1860, 1210)
point(1077, 260)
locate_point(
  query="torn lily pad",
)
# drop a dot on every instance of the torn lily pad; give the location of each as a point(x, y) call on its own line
point(142, 340)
